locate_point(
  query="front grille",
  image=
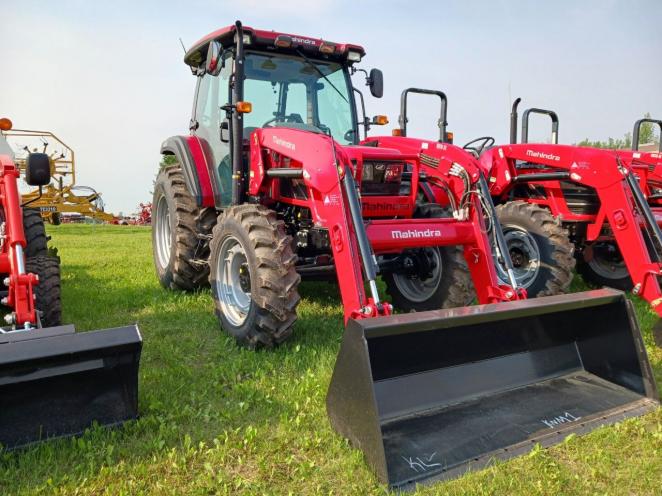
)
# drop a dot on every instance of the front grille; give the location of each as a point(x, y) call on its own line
point(580, 199)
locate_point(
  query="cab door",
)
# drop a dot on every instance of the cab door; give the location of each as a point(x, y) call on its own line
point(210, 124)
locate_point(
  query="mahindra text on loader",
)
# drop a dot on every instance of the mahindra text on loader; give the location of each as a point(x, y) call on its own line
point(273, 185)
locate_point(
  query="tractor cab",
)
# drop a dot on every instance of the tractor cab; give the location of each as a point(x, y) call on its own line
point(250, 79)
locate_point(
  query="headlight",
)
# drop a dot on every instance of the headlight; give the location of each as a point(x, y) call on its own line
point(353, 56)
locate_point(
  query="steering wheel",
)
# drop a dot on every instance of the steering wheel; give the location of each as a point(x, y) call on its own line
point(292, 118)
point(479, 144)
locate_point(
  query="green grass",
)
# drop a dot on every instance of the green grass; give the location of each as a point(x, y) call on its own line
point(217, 419)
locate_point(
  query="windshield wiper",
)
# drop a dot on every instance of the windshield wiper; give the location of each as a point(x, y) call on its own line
point(317, 69)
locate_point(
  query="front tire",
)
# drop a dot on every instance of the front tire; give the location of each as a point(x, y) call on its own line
point(540, 249)
point(604, 267)
point(179, 230)
point(35, 233)
point(47, 292)
point(253, 277)
point(447, 283)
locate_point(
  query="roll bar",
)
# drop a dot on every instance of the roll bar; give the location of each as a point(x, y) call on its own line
point(550, 113)
point(441, 123)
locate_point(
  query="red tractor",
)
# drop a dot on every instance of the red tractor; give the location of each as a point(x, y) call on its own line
point(273, 185)
point(620, 252)
point(259, 164)
point(53, 381)
point(554, 201)
point(604, 200)
point(142, 217)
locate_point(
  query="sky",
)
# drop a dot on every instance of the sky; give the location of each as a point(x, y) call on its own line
point(108, 77)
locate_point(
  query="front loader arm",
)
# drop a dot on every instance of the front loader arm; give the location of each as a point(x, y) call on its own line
point(623, 204)
point(333, 202)
point(465, 184)
point(19, 283)
point(454, 178)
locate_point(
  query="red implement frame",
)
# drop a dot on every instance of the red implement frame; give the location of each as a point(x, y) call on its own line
point(20, 295)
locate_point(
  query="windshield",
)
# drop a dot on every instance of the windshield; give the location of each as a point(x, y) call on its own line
point(289, 91)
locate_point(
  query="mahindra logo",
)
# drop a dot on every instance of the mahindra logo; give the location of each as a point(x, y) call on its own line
point(384, 206)
point(283, 143)
point(304, 41)
point(548, 156)
point(415, 233)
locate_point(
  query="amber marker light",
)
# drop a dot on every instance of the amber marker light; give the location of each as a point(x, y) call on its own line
point(327, 47)
point(283, 41)
point(5, 124)
point(244, 107)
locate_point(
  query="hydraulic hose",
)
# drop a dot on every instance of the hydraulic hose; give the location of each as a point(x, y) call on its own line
point(369, 264)
point(501, 244)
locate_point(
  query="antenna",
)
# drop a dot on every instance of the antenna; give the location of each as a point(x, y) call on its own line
point(182, 43)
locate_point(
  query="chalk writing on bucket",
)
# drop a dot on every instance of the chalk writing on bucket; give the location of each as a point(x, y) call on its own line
point(560, 419)
point(421, 464)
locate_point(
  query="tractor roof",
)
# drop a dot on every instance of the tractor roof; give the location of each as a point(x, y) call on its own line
point(266, 40)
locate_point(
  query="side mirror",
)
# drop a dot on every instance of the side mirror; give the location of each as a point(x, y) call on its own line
point(38, 169)
point(214, 62)
point(376, 83)
point(225, 131)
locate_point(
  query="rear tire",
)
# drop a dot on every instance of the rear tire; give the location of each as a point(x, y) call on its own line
point(47, 292)
point(539, 246)
point(35, 233)
point(605, 268)
point(56, 218)
point(179, 233)
point(449, 285)
point(253, 277)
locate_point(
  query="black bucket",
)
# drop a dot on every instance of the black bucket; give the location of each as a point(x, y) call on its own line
point(429, 396)
point(57, 382)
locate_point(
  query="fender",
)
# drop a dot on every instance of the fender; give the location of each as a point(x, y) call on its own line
point(190, 154)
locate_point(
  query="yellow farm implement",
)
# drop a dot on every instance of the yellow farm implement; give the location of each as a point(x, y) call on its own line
point(61, 195)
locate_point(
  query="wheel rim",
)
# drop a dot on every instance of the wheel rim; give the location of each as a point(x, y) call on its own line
point(419, 290)
point(608, 262)
point(524, 253)
point(163, 232)
point(233, 281)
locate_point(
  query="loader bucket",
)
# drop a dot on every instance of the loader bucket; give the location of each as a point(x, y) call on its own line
point(431, 395)
point(57, 382)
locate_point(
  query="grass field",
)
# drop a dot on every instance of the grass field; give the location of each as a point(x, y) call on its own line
point(216, 419)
